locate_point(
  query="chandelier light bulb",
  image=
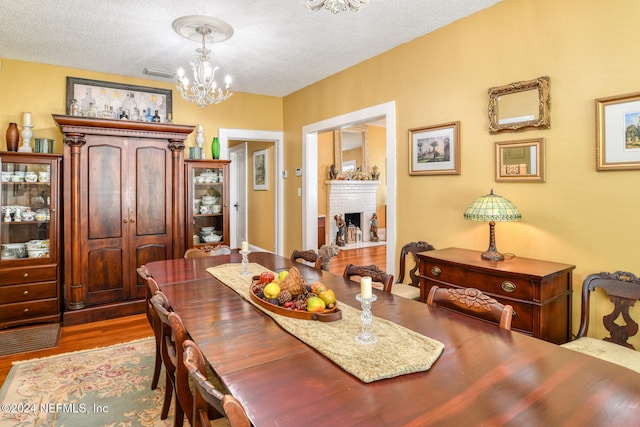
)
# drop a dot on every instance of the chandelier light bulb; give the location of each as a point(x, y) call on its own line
point(335, 6)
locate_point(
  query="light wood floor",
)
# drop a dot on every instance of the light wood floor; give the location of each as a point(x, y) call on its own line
point(109, 332)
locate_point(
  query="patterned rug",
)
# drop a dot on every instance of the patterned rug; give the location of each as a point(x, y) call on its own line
point(108, 386)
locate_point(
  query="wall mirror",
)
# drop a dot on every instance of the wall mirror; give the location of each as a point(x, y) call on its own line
point(351, 149)
point(520, 160)
point(519, 106)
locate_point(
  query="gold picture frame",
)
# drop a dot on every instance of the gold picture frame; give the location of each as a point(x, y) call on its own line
point(520, 106)
point(618, 132)
point(435, 150)
point(520, 161)
point(261, 170)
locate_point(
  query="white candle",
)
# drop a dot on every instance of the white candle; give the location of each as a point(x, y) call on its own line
point(26, 119)
point(245, 247)
point(365, 287)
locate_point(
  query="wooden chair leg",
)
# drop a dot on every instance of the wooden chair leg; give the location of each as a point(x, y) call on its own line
point(156, 370)
point(168, 394)
point(178, 421)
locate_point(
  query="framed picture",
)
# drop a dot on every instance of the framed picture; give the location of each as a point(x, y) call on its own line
point(261, 170)
point(116, 95)
point(618, 132)
point(521, 161)
point(435, 150)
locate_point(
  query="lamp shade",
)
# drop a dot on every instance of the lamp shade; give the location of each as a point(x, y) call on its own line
point(492, 207)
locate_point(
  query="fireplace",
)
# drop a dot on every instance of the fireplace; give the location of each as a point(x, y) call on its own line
point(354, 200)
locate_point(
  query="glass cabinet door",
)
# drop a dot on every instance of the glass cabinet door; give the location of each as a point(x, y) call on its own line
point(207, 203)
point(26, 200)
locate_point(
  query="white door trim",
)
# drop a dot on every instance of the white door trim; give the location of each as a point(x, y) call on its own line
point(310, 172)
point(262, 135)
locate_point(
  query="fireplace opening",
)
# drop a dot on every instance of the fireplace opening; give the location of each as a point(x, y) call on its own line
point(353, 219)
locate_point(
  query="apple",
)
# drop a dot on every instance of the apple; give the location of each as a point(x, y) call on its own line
point(267, 277)
point(282, 275)
point(317, 287)
point(327, 296)
point(271, 290)
point(315, 304)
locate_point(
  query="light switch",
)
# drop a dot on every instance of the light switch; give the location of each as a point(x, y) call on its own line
point(285, 174)
point(298, 172)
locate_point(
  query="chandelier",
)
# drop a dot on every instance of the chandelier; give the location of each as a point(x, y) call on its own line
point(204, 90)
point(335, 6)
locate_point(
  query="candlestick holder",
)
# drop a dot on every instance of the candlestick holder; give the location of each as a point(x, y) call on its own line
point(27, 134)
point(366, 336)
point(245, 263)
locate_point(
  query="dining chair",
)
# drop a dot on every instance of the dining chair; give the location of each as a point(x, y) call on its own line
point(381, 280)
point(472, 302)
point(144, 274)
point(169, 358)
point(623, 289)
point(410, 290)
point(208, 397)
point(310, 258)
point(207, 250)
point(156, 325)
point(184, 398)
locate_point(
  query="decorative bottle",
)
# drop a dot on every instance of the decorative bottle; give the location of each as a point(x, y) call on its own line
point(149, 116)
point(156, 117)
point(92, 111)
point(13, 137)
point(215, 148)
point(74, 108)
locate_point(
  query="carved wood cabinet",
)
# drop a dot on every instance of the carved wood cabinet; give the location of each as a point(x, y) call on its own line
point(539, 291)
point(123, 208)
point(29, 233)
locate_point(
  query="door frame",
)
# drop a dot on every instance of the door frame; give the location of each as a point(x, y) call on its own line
point(277, 137)
point(233, 190)
point(310, 172)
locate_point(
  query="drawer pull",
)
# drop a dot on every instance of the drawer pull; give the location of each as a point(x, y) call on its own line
point(25, 293)
point(436, 271)
point(26, 310)
point(508, 286)
point(25, 275)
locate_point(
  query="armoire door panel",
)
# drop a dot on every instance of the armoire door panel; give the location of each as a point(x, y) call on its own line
point(104, 190)
point(152, 197)
point(103, 275)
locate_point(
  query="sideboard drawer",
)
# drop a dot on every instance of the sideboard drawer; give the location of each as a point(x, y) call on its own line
point(28, 292)
point(40, 273)
point(25, 310)
point(507, 286)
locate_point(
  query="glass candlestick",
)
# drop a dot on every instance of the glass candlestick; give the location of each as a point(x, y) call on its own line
point(245, 263)
point(366, 336)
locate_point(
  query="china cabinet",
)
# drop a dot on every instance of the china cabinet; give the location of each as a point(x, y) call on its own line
point(207, 202)
point(29, 230)
point(123, 208)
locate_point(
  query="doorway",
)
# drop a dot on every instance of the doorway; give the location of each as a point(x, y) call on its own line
point(387, 112)
point(277, 138)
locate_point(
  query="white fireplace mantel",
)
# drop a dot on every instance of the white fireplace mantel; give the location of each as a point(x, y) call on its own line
point(350, 196)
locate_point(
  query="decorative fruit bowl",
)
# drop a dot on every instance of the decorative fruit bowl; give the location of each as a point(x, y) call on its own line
point(289, 296)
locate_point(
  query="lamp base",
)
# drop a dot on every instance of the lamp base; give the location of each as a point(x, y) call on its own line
point(492, 254)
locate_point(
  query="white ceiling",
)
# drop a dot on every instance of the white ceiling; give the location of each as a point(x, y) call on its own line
point(278, 46)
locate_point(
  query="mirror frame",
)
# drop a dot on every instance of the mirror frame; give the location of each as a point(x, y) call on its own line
point(538, 143)
point(540, 84)
point(337, 147)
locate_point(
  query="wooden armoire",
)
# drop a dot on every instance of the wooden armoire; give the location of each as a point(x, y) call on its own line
point(123, 207)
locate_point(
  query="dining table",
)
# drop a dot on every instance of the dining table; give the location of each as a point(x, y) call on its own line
point(484, 375)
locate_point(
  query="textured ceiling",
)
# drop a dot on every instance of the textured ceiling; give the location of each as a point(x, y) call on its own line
point(278, 46)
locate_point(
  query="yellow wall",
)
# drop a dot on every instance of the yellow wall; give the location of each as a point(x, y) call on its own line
point(260, 204)
point(41, 89)
point(579, 216)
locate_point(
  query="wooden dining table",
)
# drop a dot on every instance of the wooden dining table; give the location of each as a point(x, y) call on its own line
point(485, 375)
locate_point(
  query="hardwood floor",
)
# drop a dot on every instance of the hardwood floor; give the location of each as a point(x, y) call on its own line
point(109, 332)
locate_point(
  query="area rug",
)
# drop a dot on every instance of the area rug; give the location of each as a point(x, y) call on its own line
point(29, 338)
point(108, 386)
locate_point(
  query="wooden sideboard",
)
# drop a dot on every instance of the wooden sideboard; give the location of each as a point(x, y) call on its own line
point(539, 291)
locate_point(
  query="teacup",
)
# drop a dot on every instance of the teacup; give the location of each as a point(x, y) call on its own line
point(204, 209)
point(216, 209)
point(6, 176)
point(31, 177)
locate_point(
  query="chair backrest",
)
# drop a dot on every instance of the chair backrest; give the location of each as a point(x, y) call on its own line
point(207, 250)
point(472, 302)
point(162, 309)
point(412, 248)
point(377, 275)
point(206, 394)
point(623, 288)
point(183, 392)
point(145, 275)
point(309, 256)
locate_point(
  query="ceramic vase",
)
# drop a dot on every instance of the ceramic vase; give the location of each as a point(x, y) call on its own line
point(13, 137)
point(215, 148)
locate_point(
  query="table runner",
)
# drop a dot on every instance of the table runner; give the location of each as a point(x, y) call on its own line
point(398, 351)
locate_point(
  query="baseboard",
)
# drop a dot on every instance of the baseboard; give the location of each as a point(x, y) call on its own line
point(102, 312)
